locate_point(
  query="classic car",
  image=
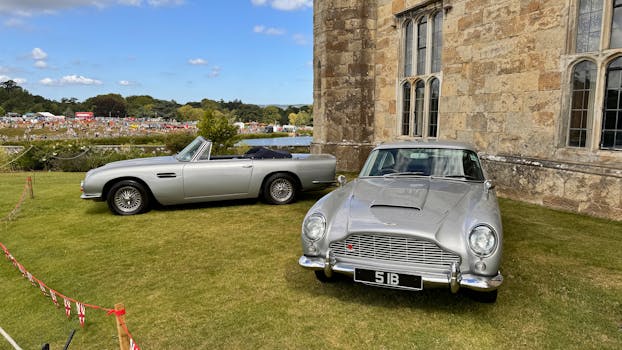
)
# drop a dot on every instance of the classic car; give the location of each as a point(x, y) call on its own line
point(420, 214)
point(194, 175)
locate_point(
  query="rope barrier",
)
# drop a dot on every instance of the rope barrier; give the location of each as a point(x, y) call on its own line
point(13, 213)
point(18, 157)
point(53, 294)
point(76, 157)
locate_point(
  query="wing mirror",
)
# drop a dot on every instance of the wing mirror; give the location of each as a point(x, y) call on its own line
point(341, 180)
point(488, 185)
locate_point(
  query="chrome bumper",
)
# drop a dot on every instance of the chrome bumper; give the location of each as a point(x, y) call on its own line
point(454, 279)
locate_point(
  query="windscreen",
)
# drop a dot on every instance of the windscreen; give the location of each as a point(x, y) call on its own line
point(441, 162)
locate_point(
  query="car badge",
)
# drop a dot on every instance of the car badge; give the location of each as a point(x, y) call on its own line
point(350, 247)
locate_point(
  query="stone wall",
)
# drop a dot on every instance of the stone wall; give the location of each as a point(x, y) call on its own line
point(595, 191)
point(504, 83)
point(344, 79)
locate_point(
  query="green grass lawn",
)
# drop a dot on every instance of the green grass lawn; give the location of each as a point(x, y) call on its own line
point(226, 275)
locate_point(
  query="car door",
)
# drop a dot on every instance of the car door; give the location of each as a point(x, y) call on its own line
point(217, 178)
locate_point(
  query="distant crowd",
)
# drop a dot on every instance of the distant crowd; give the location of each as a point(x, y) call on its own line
point(70, 128)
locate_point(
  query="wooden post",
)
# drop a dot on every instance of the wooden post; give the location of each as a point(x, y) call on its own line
point(124, 339)
point(32, 193)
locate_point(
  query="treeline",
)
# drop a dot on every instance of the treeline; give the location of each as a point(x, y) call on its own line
point(15, 99)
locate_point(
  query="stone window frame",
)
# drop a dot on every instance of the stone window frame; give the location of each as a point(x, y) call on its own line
point(602, 58)
point(403, 19)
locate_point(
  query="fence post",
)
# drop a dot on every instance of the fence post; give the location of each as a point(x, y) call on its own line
point(124, 339)
point(30, 189)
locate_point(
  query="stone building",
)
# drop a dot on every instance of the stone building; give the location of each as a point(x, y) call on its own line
point(535, 85)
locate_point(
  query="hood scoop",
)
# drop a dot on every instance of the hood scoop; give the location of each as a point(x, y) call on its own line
point(391, 206)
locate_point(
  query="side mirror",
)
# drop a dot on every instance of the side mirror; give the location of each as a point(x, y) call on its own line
point(341, 180)
point(488, 185)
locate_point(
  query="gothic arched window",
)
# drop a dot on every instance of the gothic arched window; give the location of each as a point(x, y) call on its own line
point(582, 103)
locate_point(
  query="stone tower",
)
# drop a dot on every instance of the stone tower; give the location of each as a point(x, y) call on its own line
point(344, 80)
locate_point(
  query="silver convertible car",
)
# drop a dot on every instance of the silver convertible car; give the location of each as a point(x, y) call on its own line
point(419, 215)
point(193, 175)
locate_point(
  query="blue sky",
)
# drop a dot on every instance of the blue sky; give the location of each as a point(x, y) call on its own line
point(259, 51)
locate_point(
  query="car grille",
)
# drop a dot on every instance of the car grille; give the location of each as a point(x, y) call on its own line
point(391, 248)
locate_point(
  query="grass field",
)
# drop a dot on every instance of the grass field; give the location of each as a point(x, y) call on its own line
point(225, 275)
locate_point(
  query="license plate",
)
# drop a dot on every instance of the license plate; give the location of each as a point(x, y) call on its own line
point(388, 279)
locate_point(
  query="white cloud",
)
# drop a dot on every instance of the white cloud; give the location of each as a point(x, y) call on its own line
point(158, 3)
point(27, 8)
point(70, 80)
point(78, 80)
point(14, 22)
point(261, 29)
point(41, 64)
point(285, 5)
point(47, 81)
point(127, 83)
point(131, 2)
point(39, 54)
point(197, 61)
point(19, 81)
point(215, 72)
point(300, 39)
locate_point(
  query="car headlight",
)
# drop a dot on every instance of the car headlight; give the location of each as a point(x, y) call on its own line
point(314, 227)
point(482, 240)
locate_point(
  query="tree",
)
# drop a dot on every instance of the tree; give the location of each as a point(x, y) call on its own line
point(292, 118)
point(110, 105)
point(271, 115)
point(214, 126)
point(10, 85)
point(2, 111)
point(187, 112)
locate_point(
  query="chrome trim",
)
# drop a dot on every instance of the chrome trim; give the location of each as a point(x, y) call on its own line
point(455, 279)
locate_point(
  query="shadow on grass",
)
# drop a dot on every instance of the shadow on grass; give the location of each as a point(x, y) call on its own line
point(345, 290)
point(101, 207)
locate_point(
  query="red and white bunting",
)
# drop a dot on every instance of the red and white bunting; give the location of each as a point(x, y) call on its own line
point(31, 279)
point(67, 307)
point(21, 269)
point(43, 289)
point(80, 308)
point(53, 296)
point(133, 346)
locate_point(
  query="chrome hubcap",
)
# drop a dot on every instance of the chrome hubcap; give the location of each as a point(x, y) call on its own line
point(281, 190)
point(128, 199)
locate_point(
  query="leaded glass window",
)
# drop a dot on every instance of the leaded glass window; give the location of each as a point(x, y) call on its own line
point(422, 38)
point(611, 137)
point(408, 49)
point(437, 43)
point(419, 101)
point(433, 120)
point(582, 106)
point(406, 109)
point(589, 25)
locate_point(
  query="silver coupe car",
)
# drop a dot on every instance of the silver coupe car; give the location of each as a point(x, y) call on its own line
point(420, 214)
point(194, 175)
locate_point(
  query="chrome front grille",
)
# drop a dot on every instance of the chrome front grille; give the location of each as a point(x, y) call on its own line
point(391, 248)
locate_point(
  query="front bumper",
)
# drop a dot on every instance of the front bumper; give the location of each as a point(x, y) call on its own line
point(454, 278)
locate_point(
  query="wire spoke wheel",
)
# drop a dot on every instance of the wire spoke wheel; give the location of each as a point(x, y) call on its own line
point(280, 189)
point(128, 197)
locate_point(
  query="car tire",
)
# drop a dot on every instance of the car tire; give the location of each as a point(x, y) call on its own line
point(128, 197)
point(321, 276)
point(279, 189)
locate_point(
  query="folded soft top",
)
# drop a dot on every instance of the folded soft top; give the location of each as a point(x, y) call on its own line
point(262, 153)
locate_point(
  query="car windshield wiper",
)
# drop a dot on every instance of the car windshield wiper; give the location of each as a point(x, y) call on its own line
point(467, 177)
point(406, 173)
